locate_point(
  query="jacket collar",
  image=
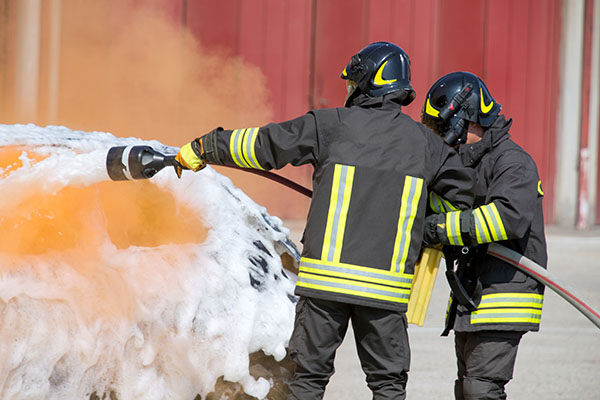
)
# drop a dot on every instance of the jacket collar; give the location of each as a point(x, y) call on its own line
point(392, 100)
point(471, 154)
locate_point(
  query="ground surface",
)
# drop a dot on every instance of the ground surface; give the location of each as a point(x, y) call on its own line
point(562, 361)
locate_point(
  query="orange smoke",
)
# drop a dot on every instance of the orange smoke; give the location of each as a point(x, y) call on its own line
point(131, 213)
point(131, 71)
point(10, 159)
point(135, 72)
point(135, 213)
point(130, 68)
point(72, 226)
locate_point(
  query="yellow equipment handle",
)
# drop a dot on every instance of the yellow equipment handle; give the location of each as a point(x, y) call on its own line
point(426, 271)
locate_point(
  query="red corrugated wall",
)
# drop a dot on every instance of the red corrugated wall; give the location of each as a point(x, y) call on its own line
point(301, 46)
point(276, 36)
point(512, 45)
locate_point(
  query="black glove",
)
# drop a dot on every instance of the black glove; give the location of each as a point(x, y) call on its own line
point(435, 224)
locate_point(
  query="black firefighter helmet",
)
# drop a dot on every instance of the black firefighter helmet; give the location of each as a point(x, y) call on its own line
point(453, 101)
point(378, 69)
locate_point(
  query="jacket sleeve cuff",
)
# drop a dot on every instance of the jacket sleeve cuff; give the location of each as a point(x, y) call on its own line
point(209, 147)
point(454, 228)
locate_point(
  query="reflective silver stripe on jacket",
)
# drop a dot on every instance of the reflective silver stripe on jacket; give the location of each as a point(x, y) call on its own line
point(354, 280)
point(509, 308)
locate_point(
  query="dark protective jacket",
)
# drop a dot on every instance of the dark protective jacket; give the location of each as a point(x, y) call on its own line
point(373, 168)
point(507, 210)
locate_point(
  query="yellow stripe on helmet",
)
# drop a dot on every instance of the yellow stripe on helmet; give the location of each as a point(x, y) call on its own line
point(484, 109)
point(378, 79)
point(430, 110)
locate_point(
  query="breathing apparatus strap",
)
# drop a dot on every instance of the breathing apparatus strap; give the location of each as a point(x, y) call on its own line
point(458, 291)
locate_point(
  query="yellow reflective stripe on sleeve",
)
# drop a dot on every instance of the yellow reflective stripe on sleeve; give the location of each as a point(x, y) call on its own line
point(235, 147)
point(341, 191)
point(449, 230)
point(411, 194)
point(435, 203)
point(449, 206)
point(438, 204)
point(453, 228)
point(494, 209)
point(483, 236)
point(242, 148)
point(249, 149)
point(238, 138)
point(492, 222)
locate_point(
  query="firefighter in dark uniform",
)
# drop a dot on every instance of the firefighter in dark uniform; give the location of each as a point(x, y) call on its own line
point(373, 168)
point(505, 303)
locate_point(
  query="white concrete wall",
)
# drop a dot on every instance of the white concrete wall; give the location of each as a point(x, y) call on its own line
point(54, 59)
point(587, 205)
point(569, 113)
point(29, 14)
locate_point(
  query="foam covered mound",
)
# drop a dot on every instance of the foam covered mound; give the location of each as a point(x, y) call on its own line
point(153, 289)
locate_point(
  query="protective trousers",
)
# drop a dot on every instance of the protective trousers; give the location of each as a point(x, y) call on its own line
point(486, 361)
point(381, 340)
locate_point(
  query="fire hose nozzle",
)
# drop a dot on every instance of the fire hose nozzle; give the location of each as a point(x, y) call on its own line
point(135, 162)
point(125, 163)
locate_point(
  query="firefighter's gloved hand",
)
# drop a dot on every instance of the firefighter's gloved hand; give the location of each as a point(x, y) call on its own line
point(433, 225)
point(190, 157)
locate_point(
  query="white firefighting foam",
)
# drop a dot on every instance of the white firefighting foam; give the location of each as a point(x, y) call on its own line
point(87, 306)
